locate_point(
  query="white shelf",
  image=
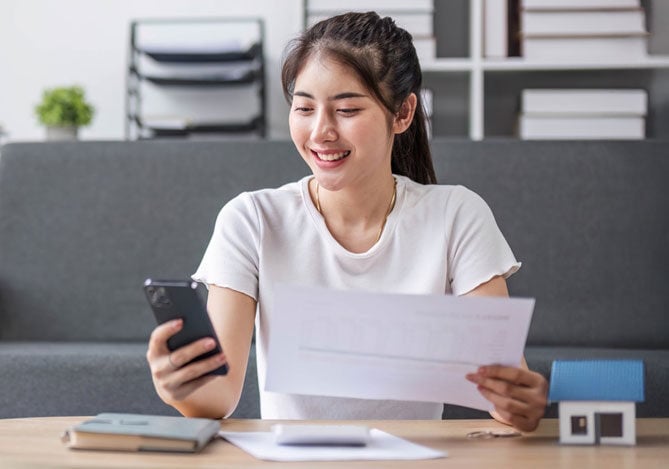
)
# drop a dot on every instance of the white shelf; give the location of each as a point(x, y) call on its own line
point(514, 64)
point(520, 64)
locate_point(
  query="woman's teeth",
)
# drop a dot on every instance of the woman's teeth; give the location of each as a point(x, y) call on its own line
point(332, 156)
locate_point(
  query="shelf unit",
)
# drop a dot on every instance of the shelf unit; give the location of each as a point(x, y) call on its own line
point(196, 77)
point(463, 83)
point(476, 67)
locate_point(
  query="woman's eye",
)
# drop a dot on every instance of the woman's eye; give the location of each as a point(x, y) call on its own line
point(302, 109)
point(348, 111)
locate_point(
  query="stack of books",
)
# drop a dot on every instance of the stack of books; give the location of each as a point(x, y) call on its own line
point(416, 16)
point(583, 114)
point(583, 30)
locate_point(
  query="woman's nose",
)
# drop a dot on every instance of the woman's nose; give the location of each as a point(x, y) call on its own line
point(324, 129)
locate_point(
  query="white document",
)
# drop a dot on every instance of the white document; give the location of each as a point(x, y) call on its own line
point(391, 346)
point(381, 446)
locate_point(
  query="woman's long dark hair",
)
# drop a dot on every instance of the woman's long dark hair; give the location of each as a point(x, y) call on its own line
point(384, 57)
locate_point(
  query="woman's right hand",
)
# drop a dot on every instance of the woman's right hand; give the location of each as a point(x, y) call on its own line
point(173, 379)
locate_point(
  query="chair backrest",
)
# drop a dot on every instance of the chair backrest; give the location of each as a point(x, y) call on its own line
point(589, 221)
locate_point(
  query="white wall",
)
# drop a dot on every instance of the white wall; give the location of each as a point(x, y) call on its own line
point(47, 43)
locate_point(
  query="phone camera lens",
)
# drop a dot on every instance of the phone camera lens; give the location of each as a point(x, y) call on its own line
point(159, 297)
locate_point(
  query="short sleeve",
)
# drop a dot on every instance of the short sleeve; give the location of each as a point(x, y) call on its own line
point(477, 249)
point(231, 258)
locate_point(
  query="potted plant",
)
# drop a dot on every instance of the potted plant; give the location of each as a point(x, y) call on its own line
point(63, 110)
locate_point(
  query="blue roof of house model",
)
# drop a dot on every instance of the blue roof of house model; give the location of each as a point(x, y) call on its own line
point(597, 380)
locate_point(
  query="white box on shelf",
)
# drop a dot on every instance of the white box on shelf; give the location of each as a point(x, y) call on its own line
point(585, 101)
point(417, 24)
point(579, 4)
point(577, 127)
point(495, 29)
point(585, 48)
point(561, 23)
point(367, 5)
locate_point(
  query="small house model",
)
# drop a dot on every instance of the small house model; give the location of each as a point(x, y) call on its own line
point(597, 400)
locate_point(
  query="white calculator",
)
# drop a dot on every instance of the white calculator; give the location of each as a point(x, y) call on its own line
point(321, 435)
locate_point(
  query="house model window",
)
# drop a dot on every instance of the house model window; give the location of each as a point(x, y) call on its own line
point(597, 400)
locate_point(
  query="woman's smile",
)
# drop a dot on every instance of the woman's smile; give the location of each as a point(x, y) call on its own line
point(329, 155)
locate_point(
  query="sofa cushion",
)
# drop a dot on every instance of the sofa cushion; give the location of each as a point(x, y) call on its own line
point(83, 224)
point(85, 378)
point(589, 221)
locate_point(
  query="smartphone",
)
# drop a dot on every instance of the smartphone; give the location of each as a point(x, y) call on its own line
point(180, 299)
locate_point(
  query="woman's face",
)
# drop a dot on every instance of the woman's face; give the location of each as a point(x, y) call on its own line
point(341, 131)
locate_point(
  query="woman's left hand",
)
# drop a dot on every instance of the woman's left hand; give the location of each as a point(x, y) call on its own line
point(518, 394)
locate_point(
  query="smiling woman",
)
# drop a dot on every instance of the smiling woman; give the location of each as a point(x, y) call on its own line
point(370, 217)
point(334, 123)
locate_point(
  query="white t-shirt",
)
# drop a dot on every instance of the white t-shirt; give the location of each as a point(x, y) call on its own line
point(438, 239)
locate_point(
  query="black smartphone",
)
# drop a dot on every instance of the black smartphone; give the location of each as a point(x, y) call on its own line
point(180, 299)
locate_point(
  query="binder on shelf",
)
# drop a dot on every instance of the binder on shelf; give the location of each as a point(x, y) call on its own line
point(595, 48)
point(535, 127)
point(585, 101)
point(590, 22)
point(495, 29)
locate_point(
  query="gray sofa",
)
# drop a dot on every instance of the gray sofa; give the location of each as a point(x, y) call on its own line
point(83, 224)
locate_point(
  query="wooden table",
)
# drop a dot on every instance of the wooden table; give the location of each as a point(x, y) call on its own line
point(35, 442)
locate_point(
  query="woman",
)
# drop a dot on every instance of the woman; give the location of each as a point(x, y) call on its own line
point(353, 83)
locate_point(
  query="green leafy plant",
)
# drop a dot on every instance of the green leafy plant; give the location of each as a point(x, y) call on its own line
point(64, 107)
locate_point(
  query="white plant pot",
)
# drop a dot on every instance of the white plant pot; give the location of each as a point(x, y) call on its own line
point(67, 133)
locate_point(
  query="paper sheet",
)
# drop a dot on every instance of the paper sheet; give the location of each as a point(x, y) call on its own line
point(391, 346)
point(382, 446)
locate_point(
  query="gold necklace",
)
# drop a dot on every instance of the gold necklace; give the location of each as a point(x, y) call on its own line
point(385, 219)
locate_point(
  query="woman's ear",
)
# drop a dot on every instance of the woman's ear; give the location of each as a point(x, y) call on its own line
point(404, 116)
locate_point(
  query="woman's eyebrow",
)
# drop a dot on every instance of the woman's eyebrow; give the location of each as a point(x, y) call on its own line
point(345, 95)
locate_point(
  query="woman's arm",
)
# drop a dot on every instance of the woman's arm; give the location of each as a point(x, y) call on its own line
point(519, 395)
point(184, 387)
